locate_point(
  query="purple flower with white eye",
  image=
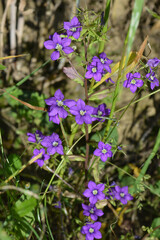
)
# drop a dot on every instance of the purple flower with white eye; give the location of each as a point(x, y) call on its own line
point(133, 81)
point(92, 211)
point(82, 112)
point(35, 137)
point(73, 27)
point(153, 62)
point(56, 106)
point(94, 70)
point(53, 144)
point(103, 151)
point(101, 111)
point(44, 157)
point(153, 80)
point(92, 231)
point(122, 194)
point(59, 44)
point(94, 192)
point(105, 62)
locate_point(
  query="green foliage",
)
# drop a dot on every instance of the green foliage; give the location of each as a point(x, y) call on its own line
point(2, 67)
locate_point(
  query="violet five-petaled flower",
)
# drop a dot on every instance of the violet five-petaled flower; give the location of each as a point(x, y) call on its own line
point(101, 111)
point(73, 27)
point(59, 44)
point(92, 211)
point(103, 151)
point(153, 80)
point(133, 81)
point(56, 106)
point(94, 70)
point(35, 137)
point(153, 62)
point(44, 157)
point(53, 144)
point(104, 61)
point(94, 192)
point(92, 230)
point(122, 194)
point(82, 112)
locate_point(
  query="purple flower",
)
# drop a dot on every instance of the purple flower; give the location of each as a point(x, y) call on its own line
point(109, 79)
point(92, 231)
point(58, 205)
point(101, 111)
point(105, 62)
point(73, 27)
point(94, 70)
point(111, 191)
point(122, 194)
point(133, 81)
point(59, 44)
point(56, 106)
point(82, 112)
point(92, 211)
point(153, 80)
point(153, 62)
point(40, 161)
point(35, 137)
point(103, 151)
point(94, 192)
point(53, 144)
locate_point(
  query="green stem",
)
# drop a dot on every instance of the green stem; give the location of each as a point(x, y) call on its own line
point(149, 159)
point(54, 174)
point(115, 94)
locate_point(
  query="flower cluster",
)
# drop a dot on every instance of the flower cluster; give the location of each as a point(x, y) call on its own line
point(118, 193)
point(94, 192)
point(57, 106)
point(53, 144)
point(61, 43)
point(98, 67)
point(151, 76)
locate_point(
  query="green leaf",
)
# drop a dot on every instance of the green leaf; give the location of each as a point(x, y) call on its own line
point(136, 14)
point(99, 95)
point(2, 67)
point(25, 207)
point(15, 161)
point(156, 223)
point(3, 234)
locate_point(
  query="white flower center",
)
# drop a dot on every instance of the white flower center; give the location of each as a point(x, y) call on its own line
point(59, 47)
point(102, 60)
point(91, 230)
point(104, 150)
point(94, 69)
point(73, 29)
point(91, 211)
point(122, 194)
point(82, 113)
point(55, 144)
point(95, 192)
point(152, 78)
point(99, 113)
point(59, 103)
point(133, 81)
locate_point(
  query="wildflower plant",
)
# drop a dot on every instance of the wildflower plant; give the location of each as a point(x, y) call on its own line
point(83, 129)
